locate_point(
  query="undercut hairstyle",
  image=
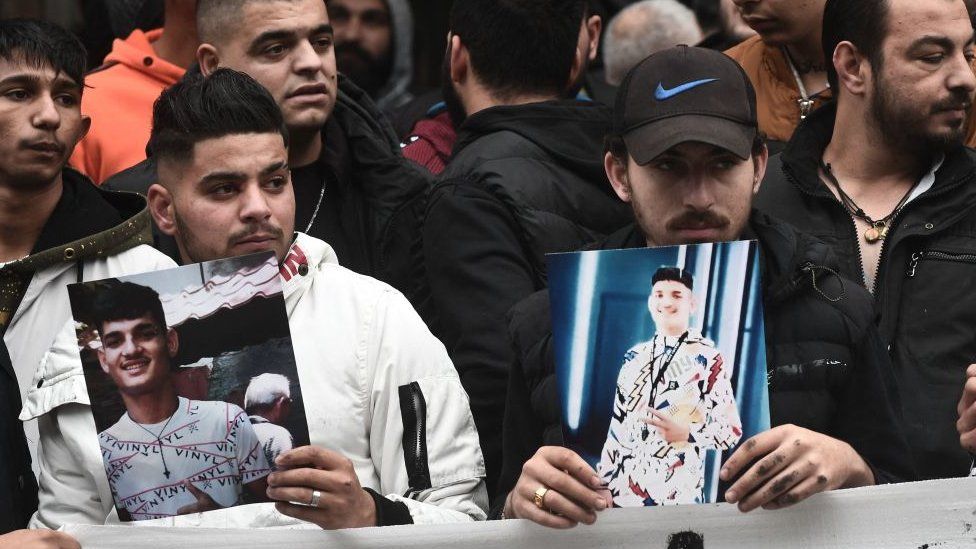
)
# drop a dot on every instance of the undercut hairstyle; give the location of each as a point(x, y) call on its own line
point(520, 46)
point(198, 108)
point(217, 19)
point(674, 274)
point(126, 301)
point(863, 23)
point(264, 390)
point(41, 44)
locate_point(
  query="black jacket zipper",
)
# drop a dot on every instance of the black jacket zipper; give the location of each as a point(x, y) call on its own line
point(937, 256)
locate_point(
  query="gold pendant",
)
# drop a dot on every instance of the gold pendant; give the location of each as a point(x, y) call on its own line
point(874, 234)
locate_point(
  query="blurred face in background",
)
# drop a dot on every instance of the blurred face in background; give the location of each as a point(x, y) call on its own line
point(364, 45)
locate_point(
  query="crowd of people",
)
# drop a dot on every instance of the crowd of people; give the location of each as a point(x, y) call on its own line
point(411, 228)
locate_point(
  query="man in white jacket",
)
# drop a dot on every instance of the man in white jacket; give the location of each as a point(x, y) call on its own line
point(389, 415)
point(56, 228)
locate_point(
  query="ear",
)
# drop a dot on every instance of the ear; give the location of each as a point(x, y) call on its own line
point(101, 360)
point(161, 208)
point(172, 342)
point(594, 27)
point(759, 163)
point(617, 174)
point(853, 69)
point(208, 59)
point(460, 60)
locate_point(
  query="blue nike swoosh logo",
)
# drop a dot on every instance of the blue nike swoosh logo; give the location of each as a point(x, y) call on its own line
point(662, 94)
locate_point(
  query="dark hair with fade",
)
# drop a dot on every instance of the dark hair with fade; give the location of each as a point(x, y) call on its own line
point(198, 108)
point(520, 46)
point(126, 301)
point(216, 18)
point(675, 274)
point(863, 23)
point(39, 44)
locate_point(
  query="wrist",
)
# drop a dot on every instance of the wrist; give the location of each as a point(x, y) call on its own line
point(861, 473)
point(368, 509)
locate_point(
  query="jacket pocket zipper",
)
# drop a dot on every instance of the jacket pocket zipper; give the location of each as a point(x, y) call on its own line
point(413, 409)
point(938, 256)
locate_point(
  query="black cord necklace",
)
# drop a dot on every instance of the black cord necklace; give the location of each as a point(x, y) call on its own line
point(159, 440)
point(878, 229)
point(664, 367)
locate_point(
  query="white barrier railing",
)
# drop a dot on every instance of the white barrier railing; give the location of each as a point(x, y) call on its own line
point(924, 515)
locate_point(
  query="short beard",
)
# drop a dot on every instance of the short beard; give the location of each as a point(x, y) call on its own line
point(369, 73)
point(902, 126)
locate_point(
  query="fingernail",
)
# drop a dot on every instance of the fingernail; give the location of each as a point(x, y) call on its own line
point(601, 504)
point(595, 481)
point(731, 496)
point(724, 474)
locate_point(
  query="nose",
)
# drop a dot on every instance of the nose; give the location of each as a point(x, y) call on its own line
point(307, 60)
point(352, 30)
point(962, 76)
point(254, 207)
point(129, 347)
point(47, 116)
point(699, 195)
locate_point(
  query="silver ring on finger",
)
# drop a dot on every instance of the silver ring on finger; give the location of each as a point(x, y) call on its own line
point(316, 496)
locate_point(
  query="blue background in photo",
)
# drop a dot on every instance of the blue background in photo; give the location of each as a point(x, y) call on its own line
point(599, 311)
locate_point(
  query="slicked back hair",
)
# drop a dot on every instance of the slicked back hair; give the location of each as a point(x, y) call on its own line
point(198, 108)
point(863, 23)
point(41, 44)
point(520, 46)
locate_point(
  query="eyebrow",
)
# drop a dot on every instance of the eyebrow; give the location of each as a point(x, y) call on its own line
point(273, 35)
point(936, 40)
point(224, 176)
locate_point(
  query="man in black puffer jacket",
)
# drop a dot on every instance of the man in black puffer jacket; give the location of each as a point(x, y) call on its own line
point(526, 179)
point(832, 394)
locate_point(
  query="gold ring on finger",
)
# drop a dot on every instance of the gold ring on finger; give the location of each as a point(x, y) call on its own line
point(540, 497)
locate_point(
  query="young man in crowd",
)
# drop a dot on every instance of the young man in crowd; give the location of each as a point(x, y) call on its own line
point(350, 180)
point(374, 47)
point(525, 180)
point(391, 415)
point(889, 188)
point(56, 228)
point(689, 164)
point(122, 91)
point(204, 440)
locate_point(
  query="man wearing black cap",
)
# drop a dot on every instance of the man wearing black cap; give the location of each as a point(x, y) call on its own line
point(685, 153)
point(667, 466)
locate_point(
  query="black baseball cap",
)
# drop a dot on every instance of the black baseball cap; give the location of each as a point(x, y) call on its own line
point(685, 94)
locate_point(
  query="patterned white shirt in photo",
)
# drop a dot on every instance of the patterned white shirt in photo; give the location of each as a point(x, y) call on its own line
point(274, 438)
point(208, 443)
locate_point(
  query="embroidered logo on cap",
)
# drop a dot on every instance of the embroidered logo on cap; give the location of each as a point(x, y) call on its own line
point(662, 94)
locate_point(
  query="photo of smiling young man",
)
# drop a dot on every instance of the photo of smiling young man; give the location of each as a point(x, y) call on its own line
point(674, 400)
point(166, 455)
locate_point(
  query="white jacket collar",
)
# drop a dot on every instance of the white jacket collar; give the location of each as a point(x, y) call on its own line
point(306, 256)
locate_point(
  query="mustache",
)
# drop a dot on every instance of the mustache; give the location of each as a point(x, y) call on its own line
point(958, 101)
point(698, 219)
point(258, 228)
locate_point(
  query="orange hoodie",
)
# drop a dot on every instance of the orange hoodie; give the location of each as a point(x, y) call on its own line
point(119, 99)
